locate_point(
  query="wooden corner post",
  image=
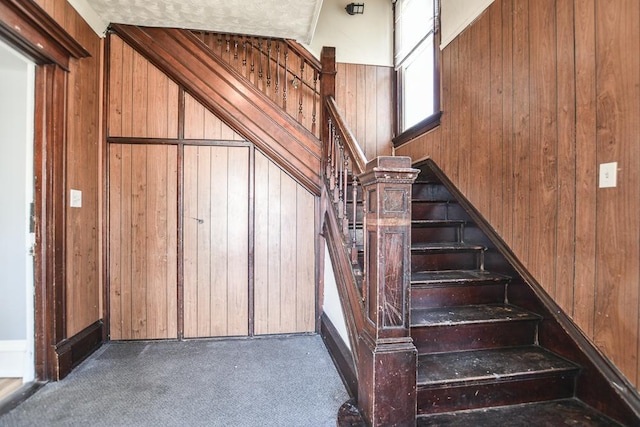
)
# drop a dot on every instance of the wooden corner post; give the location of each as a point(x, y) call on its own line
point(387, 369)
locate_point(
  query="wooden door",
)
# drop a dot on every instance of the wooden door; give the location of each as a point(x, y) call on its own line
point(216, 241)
point(142, 241)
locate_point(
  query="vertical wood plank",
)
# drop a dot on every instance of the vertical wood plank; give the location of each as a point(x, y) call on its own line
point(217, 174)
point(238, 238)
point(127, 90)
point(261, 250)
point(496, 143)
point(618, 226)
point(139, 281)
point(204, 248)
point(566, 201)
point(115, 85)
point(288, 253)
point(171, 247)
point(275, 248)
point(190, 241)
point(116, 275)
point(585, 265)
point(521, 125)
point(126, 242)
point(305, 268)
point(507, 121)
point(543, 142)
point(140, 96)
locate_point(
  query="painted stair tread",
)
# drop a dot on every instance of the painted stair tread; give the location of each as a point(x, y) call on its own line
point(444, 247)
point(570, 412)
point(453, 277)
point(469, 314)
point(437, 222)
point(503, 364)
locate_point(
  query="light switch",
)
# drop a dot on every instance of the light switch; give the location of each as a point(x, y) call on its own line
point(75, 199)
point(608, 175)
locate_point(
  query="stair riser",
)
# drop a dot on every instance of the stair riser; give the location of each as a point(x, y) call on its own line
point(438, 339)
point(498, 393)
point(457, 295)
point(424, 261)
point(435, 234)
point(429, 210)
point(435, 192)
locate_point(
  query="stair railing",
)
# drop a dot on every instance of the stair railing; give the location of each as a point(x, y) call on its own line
point(373, 272)
point(282, 69)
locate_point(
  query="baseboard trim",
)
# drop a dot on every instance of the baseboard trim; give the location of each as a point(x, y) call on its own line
point(341, 355)
point(72, 351)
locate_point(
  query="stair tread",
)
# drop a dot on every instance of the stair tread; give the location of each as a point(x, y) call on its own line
point(469, 314)
point(464, 367)
point(436, 222)
point(444, 246)
point(453, 277)
point(549, 413)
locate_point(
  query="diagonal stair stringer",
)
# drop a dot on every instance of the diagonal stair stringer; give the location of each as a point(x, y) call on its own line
point(186, 60)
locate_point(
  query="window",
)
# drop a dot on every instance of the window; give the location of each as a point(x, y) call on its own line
point(416, 34)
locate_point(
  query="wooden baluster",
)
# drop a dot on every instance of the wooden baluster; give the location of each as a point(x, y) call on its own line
point(244, 53)
point(315, 101)
point(259, 59)
point(268, 63)
point(354, 210)
point(235, 48)
point(278, 67)
point(345, 186)
point(329, 149)
point(253, 58)
point(301, 86)
point(286, 77)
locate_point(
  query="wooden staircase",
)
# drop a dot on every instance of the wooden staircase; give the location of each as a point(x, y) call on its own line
point(477, 348)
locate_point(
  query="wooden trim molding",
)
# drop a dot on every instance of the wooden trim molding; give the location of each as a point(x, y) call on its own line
point(418, 129)
point(30, 30)
point(27, 27)
point(70, 352)
point(341, 355)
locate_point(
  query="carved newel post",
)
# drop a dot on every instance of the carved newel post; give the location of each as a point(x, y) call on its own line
point(387, 372)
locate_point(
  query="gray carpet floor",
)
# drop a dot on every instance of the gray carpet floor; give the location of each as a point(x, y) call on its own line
point(271, 381)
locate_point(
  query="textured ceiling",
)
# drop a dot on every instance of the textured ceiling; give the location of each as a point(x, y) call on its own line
point(291, 19)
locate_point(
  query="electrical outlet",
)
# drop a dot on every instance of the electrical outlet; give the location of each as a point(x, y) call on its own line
point(608, 175)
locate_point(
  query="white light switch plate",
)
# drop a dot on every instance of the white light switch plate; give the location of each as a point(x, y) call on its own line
point(608, 175)
point(75, 199)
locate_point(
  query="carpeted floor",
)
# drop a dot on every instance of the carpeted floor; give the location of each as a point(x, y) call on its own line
point(272, 381)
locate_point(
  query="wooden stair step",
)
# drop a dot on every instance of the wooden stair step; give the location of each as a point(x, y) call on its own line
point(472, 327)
point(445, 278)
point(457, 287)
point(433, 256)
point(469, 314)
point(435, 247)
point(473, 379)
point(466, 367)
point(563, 412)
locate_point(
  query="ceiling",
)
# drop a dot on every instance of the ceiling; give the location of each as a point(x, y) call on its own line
point(291, 19)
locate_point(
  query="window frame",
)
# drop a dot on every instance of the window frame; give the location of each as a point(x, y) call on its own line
point(432, 121)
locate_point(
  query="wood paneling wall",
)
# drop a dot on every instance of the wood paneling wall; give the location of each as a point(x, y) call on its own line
point(83, 171)
point(216, 241)
point(142, 241)
point(535, 95)
point(143, 102)
point(200, 123)
point(284, 274)
point(364, 94)
point(248, 267)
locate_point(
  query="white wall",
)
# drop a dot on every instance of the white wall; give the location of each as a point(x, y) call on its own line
point(331, 303)
point(456, 15)
point(358, 39)
point(16, 193)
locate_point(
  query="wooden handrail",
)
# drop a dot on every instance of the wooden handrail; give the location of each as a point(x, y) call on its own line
point(304, 54)
point(356, 154)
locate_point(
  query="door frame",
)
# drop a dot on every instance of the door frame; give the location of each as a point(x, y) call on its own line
point(28, 29)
